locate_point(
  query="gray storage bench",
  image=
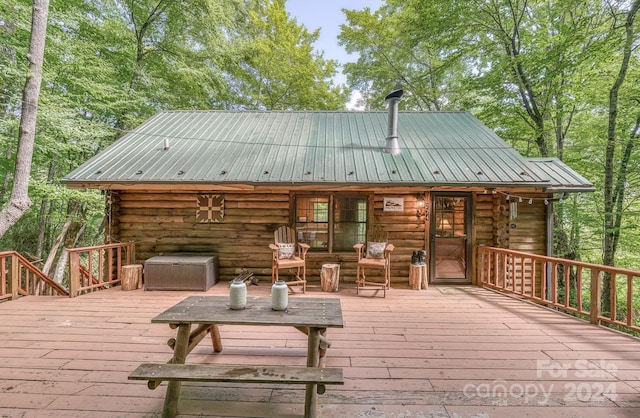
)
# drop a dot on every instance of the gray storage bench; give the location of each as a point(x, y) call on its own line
point(181, 272)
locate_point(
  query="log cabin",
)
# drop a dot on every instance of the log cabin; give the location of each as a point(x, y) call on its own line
point(221, 182)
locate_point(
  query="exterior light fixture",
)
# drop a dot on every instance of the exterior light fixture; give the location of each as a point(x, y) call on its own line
point(420, 209)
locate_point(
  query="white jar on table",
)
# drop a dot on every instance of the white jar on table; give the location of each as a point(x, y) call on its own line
point(279, 296)
point(237, 295)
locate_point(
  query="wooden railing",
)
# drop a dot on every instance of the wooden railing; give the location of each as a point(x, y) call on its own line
point(99, 267)
point(18, 277)
point(568, 285)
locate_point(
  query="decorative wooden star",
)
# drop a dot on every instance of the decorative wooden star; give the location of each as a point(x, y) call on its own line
point(210, 208)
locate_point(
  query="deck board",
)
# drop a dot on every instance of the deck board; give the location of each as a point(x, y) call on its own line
point(424, 353)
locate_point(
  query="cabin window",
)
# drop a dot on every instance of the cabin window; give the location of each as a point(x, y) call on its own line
point(331, 222)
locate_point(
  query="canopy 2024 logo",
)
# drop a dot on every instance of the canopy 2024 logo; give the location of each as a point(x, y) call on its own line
point(578, 381)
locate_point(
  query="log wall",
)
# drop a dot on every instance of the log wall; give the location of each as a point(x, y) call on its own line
point(164, 222)
point(527, 233)
point(486, 224)
point(494, 226)
point(406, 232)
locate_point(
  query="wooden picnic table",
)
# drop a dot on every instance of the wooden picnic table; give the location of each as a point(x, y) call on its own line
point(312, 316)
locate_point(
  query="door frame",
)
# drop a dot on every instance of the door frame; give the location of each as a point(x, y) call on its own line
point(468, 220)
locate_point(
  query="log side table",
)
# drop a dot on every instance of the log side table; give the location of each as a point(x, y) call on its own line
point(418, 276)
point(330, 277)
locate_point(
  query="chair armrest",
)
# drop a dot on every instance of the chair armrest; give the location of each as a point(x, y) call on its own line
point(274, 252)
point(359, 249)
point(387, 251)
point(302, 249)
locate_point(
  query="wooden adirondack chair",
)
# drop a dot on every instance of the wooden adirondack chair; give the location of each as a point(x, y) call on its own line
point(375, 254)
point(288, 253)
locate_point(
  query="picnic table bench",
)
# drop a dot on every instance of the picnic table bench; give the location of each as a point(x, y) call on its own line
point(238, 373)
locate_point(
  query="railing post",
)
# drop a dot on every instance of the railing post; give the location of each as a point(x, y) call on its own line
point(596, 296)
point(14, 282)
point(481, 267)
point(544, 281)
point(74, 273)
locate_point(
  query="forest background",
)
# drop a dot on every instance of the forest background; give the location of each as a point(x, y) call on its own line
point(552, 78)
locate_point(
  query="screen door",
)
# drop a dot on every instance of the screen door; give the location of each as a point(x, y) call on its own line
point(450, 238)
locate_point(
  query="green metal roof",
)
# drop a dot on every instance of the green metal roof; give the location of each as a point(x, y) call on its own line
point(223, 147)
point(563, 178)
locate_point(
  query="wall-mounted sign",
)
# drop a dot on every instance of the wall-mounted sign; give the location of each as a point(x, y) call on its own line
point(393, 204)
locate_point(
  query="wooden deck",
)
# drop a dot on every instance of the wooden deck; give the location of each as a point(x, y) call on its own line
point(441, 352)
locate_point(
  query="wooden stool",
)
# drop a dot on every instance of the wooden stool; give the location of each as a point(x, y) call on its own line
point(418, 276)
point(330, 277)
point(131, 277)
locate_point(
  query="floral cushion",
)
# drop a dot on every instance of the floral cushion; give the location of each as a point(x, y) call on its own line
point(285, 251)
point(376, 249)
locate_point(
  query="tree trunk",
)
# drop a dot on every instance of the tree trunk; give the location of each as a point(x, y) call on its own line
point(613, 193)
point(64, 257)
point(61, 237)
point(43, 219)
point(42, 227)
point(7, 176)
point(19, 201)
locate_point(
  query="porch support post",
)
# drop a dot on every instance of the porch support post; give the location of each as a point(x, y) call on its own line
point(549, 248)
point(14, 282)
point(596, 296)
point(74, 273)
